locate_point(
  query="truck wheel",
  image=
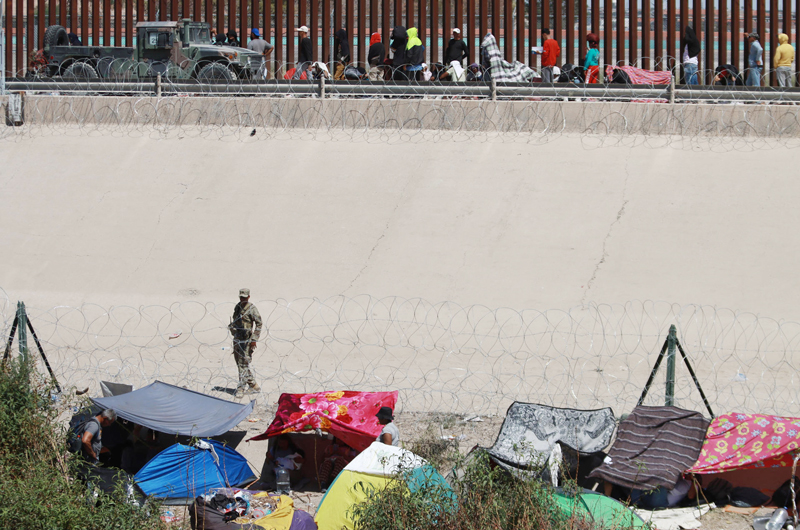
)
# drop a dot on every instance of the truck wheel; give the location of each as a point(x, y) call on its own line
point(55, 36)
point(80, 72)
point(215, 72)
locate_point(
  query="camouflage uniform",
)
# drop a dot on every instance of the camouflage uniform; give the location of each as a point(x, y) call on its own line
point(245, 328)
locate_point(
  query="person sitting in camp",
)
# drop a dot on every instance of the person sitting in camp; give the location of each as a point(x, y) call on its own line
point(337, 456)
point(390, 434)
point(284, 454)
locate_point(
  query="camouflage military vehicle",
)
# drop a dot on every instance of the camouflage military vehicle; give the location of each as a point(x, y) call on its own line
point(176, 50)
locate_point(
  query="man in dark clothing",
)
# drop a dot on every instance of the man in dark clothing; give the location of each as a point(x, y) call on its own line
point(233, 38)
point(398, 47)
point(304, 57)
point(456, 50)
point(341, 53)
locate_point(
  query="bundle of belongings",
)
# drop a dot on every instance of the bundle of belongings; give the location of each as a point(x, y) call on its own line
point(568, 441)
point(501, 70)
point(235, 509)
point(630, 75)
point(654, 446)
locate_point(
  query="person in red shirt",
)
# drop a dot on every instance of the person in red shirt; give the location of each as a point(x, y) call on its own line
point(550, 52)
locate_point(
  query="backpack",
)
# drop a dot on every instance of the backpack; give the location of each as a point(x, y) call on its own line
point(783, 495)
point(75, 434)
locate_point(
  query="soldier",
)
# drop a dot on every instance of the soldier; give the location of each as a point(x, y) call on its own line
point(245, 328)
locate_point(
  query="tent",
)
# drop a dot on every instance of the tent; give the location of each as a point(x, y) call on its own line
point(373, 470)
point(749, 450)
point(348, 415)
point(180, 473)
point(603, 511)
point(174, 410)
point(530, 433)
point(654, 446)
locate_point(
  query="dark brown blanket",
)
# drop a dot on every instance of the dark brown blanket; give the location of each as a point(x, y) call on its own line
point(654, 446)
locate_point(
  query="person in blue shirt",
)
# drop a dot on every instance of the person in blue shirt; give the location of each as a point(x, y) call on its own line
point(755, 66)
point(591, 64)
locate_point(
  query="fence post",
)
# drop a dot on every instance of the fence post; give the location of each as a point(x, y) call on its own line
point(22, 319)
point(2, 48)
point(158, 86)
point(672, 341)
point(672, 89)
point(322, 87)
point(493, 88)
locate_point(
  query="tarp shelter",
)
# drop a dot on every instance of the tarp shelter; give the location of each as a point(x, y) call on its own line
point(752, 450)
point(654, 446)
point(373, 470)
point(531, 433)
point(348, 415)
point(174, 410)
point(180, 473)
point(602, 511)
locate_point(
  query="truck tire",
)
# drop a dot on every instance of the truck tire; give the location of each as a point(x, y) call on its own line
point(80, 72)
point(55, 36)
point(215, 72)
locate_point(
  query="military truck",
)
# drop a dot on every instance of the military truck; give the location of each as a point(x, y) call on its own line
point(176, 50)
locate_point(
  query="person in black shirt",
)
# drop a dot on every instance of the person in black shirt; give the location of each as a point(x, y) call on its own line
point(456, 50)
point(341, 53)
point(233, 39)
point(375, 57)
point(304, 57)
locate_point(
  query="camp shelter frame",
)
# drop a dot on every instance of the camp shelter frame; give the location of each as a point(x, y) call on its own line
point(21, 321)
point(670, 344)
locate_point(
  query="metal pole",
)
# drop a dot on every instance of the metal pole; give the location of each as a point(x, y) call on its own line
point(11, 338)
point(672, 341)
point(652, 374)
point(44, 357)
point(2, 48)
point(22, 318)
point(694, 378)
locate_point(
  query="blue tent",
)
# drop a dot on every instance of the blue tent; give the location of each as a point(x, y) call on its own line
point(180, 473)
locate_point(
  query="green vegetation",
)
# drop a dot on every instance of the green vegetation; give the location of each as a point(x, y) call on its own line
point(37, 490)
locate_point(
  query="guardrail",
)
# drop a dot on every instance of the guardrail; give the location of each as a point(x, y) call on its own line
point(327, 89)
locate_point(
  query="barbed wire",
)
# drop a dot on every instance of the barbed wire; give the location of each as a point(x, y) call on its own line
point(442, 357)
point(386, 119)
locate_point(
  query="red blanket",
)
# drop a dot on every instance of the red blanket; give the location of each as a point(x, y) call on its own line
point(641, 77)
point(348, 415)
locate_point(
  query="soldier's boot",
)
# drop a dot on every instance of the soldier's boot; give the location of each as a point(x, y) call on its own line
point(255, 387)
point(239, 392)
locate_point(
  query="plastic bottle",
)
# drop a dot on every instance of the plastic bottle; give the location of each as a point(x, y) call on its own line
point(282, 480)
point(779, 517)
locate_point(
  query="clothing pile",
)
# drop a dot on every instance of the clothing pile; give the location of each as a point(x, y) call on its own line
point(235, 509)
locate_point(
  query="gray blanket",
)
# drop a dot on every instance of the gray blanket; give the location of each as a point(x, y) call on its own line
point(530, 432)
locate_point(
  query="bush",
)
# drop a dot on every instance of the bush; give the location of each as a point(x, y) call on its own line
point(487, 498)
point(37, 488)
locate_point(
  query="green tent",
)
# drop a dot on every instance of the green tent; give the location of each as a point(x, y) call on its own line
point(601, 510)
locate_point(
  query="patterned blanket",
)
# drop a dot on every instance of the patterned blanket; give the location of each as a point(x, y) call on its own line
point(742, 441)
point(530, 432)
point(501, 70)
point(348, 415)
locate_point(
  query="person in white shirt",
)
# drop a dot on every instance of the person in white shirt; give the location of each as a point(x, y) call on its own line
point(390, 435)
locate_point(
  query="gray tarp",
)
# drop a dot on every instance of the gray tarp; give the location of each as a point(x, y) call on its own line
point(530, 432)
point(173, 410)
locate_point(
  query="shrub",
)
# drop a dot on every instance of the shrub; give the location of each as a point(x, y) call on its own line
point(488, 497)
point(37, 488)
